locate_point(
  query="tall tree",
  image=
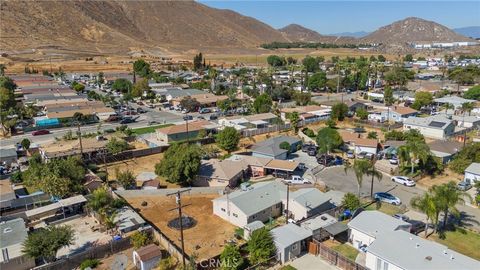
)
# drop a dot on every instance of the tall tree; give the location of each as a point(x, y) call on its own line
point(294, 121)
point(260, 246)
point(230, 258)
point(122, 85)
point(317, 81)
point(262, 104)
point(140, 87)
point(339, 111)
point(141, 68)
point(45, 242)
point(447, 106)
point(427, 204)
point(328, 139)
point(180, 163)
point(228, 139)
point(276, 61)
point(388, 99)
point(447, 197)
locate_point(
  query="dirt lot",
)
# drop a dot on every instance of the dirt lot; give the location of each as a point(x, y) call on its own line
point(206, 239)
point(137, 166)
point(445, 177)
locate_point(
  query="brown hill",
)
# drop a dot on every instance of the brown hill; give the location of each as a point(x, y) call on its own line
point(298, 33)
point(413, 30)
point(118, 26)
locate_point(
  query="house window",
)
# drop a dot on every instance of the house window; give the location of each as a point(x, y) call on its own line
point(385, 265)
point(378, 264)
point(223, 209)
point(235, 215)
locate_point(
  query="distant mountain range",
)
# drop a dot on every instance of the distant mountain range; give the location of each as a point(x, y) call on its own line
point(119, 27)
point(298, 33)
point(469, 31)
point(358, 34)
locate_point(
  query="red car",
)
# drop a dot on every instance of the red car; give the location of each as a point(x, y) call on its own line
point(40, 132)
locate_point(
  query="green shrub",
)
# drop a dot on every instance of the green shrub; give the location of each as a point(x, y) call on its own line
point(93, 167)
point(102, 175)
point(92, 263)
point(310, 133)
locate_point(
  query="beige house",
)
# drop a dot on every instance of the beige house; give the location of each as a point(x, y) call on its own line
point(219, 173)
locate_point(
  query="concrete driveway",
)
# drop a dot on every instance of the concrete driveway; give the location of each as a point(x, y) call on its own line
point(311, 262)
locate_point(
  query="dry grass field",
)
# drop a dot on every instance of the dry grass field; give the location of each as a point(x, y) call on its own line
point(206, 239)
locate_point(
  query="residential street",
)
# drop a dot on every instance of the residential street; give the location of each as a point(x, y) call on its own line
point(335, 178)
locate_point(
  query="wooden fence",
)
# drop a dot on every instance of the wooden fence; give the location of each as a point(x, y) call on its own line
point(319, 249)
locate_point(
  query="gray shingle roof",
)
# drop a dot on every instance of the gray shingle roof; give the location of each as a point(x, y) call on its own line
point(271, 146)
point(473, 168)
point(408, 251)
point(374, 223)
point(310, 198)
point(8, 152)
point(12, 234)
point(437, 121)
point(259, 197)
point(289, 234)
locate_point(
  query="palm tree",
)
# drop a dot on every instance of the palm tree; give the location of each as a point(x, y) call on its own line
point(109, 220)
point(360, 167)
point(467, 107)
point(448, 196)
point(374, 174)
point(447, 106)
point(427, 204)
point(418, 151)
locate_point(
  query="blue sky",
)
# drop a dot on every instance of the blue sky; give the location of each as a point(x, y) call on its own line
point(328, 17)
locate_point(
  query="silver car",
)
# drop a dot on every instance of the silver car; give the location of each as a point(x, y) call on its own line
point(464, 186)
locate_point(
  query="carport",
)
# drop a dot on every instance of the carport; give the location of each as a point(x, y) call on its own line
point(68, 206)
point(281, 168)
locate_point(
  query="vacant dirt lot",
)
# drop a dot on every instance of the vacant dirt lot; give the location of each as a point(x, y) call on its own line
point(206, 239)
point(445, 177)
point(137, 166)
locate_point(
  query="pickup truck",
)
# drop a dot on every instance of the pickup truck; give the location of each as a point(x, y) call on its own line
point(297, 180)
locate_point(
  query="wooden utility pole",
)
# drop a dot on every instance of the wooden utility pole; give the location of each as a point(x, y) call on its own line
point(288, 195)
point(179, 207)
point(79, 134)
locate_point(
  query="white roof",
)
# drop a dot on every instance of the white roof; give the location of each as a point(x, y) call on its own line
point(58, 205)
point(321, 221)
point(408, 251)
point(289, 234)
point(473, 168)
point(374, 223)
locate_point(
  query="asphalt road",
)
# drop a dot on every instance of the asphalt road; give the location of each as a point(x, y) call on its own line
point(336, 178)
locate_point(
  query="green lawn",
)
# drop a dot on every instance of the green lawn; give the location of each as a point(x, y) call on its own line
point(144, 130)
point(347, 251)
point(386, 208)
point(462, 241)
point(288, 267)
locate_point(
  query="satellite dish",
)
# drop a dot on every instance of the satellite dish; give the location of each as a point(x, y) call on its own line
point(357, 212)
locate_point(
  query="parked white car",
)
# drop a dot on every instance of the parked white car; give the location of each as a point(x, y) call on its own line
point(297, 180)
point(403, 180)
